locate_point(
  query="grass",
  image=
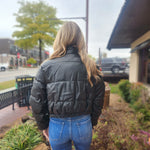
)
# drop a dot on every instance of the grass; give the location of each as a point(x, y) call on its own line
point(23, 137)
point(114, 88)
point(7, 84)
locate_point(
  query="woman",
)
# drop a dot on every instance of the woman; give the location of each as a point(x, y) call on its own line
point(68, 91)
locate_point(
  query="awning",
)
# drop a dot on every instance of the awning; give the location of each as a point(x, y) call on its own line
point(141, 46)
point(132, 23)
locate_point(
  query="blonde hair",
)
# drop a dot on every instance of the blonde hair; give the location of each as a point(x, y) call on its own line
point(70, 34)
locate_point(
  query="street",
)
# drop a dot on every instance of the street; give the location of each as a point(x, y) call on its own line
point(11, 74)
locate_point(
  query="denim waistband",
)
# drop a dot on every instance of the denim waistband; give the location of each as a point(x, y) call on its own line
point(72, 118)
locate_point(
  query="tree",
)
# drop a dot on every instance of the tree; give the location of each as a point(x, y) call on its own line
point(37, 24)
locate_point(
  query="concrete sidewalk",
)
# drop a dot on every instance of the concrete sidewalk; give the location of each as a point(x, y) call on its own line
point(8, 116)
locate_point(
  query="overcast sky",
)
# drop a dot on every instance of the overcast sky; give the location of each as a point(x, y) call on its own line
point(102, 18)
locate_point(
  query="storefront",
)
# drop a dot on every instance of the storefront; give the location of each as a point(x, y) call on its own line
point(132, 30)
point(144, 65)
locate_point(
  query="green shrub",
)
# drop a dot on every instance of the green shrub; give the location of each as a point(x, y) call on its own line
point(31, 61)
point(145, 111)
point(124, 87)
point(137, 105)
point(141, 104)
point(130, 91)
point(137, 95)
point(23, 137)
point(136, 91)
point(134, 95)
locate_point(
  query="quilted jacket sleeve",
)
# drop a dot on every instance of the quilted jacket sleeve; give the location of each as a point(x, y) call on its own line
point(98, 101)
point(38, 101)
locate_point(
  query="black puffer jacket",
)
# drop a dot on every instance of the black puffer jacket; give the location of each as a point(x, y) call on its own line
point(61, 89)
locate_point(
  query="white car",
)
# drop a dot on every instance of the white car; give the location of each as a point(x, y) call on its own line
point(3, 67)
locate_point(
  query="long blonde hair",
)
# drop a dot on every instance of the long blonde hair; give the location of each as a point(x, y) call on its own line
point(70, 34)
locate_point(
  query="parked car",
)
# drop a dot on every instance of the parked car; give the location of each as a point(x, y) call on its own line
point(3, 67)
point(113, 64)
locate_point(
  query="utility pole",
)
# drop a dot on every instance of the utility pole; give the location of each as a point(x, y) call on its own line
point(87, 21)
point(100, 57)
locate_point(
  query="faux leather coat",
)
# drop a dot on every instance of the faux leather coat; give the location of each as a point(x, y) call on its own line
point(61, 89)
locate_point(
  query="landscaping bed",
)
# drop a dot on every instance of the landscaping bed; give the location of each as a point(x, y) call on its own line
point(114, 129)
point(119, 128)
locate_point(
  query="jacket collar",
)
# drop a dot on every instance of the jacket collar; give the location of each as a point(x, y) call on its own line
point(71, 50)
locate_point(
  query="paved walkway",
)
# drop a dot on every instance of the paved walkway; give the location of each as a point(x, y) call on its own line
point(8, 116)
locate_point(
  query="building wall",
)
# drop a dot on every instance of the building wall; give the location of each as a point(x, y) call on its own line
point(5, 45)
point(134, 69)
point(141, 39)
point(134, 61)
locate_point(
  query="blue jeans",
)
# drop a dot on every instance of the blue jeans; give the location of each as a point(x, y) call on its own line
point(62, 131)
